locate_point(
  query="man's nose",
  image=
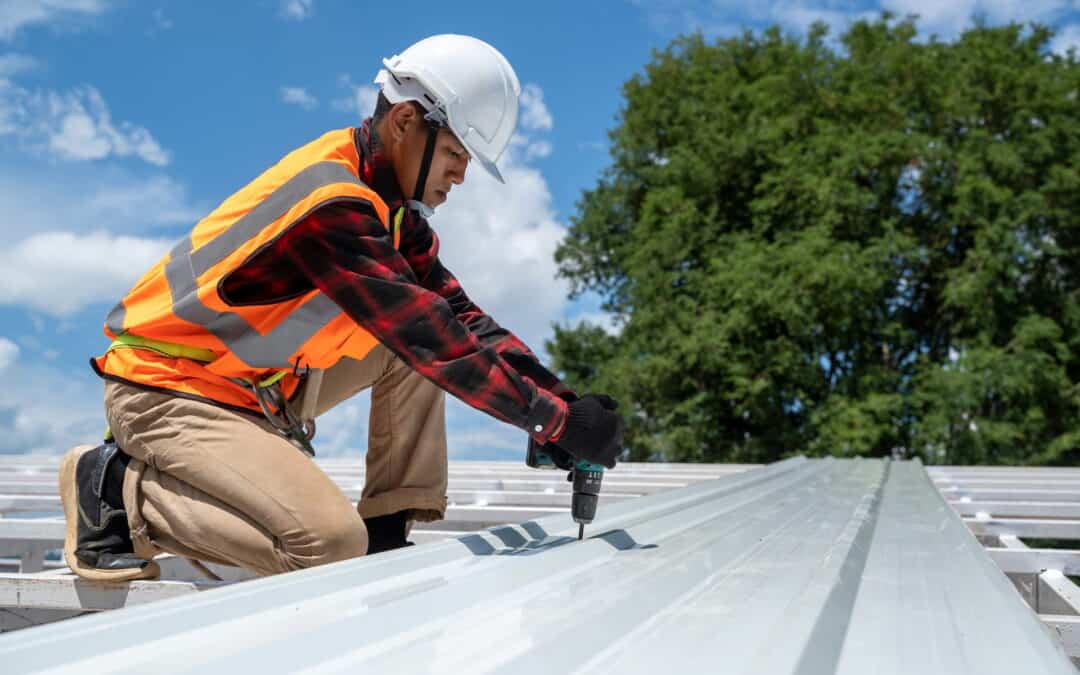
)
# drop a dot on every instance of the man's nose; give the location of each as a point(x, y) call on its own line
point(457, 174)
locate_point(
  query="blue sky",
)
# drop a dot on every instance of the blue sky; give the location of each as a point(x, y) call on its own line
point(123, 122)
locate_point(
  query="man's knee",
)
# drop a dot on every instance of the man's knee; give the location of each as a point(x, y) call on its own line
point(343, 540)
point(331, 541)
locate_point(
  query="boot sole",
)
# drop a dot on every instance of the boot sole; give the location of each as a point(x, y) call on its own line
point(69, 496)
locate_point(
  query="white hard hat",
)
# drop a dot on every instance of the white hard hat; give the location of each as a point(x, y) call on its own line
point(465, 84)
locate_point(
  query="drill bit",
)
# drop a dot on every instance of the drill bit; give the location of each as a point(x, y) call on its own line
point(580, 531)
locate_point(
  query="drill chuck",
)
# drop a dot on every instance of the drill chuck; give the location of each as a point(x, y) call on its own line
point(587, 479)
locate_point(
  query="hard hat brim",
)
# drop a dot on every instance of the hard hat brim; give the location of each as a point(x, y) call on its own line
point(486, 163)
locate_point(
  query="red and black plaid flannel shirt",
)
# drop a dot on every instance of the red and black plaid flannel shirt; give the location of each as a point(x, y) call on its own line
point(407, 300)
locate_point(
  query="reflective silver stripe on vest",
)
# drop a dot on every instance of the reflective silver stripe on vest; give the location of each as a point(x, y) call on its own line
point(115, 320)
point(273, 349)
point(270, 209)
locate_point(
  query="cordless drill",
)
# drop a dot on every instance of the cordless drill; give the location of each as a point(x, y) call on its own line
point(585, 475)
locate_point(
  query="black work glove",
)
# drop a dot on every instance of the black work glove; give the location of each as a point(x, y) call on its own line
point(594, 431)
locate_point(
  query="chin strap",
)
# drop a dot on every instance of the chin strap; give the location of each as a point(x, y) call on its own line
point(423, 209)
point(417, 201)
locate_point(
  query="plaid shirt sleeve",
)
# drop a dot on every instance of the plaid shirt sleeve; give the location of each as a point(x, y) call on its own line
point(347, 253)
point(420, 247)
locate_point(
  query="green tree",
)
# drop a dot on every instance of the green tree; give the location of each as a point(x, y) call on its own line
point(861, 250)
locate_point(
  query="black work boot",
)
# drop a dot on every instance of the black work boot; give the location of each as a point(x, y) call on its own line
point(97, 540)
point(386, 532)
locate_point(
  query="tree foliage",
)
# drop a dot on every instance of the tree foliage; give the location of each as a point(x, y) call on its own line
point(870, 248)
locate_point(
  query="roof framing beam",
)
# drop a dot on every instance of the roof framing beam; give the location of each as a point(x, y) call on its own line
point(1025, 527)
point(1068, 510)
point(1067, 630)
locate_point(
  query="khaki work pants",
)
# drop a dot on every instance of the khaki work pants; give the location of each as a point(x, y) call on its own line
point(220, 486)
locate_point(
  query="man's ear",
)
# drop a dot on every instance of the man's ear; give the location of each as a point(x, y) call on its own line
point(402, 117)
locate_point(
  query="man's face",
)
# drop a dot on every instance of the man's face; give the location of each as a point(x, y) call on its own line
point(448, 164)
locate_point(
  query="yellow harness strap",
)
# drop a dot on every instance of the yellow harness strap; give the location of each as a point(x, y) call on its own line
point(173, 350)
point(129, 341)
point(395, 229)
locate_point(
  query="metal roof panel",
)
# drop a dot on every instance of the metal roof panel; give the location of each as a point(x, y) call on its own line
point(802, 567)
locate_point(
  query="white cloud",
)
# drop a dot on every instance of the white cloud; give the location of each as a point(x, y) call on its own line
point(84, 198)
point(711, 17)
point(13, 64)
point(73, 125)
point(145, 201)
point(538, 150)
point(54, 267)
point(529, 148)
point(366, 98)
point(9, 351)
point(534, 117)
point(51, 269)
point(59, 273)
point(359, 100)
point(298, 9)
point(16, 14)
point(473, 435)
point(534, 114)
point(945, 18)
point(949, 19)
point(801, 15)
point(1067, 37)
point(604, 320)
point(299, 96)
point(343, 430)
point(47, 410)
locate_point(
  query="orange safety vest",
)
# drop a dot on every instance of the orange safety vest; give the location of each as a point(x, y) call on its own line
point(177, 303)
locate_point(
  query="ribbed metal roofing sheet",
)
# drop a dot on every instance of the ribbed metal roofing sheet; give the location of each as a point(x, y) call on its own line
point(481, 494)
point(802, 567)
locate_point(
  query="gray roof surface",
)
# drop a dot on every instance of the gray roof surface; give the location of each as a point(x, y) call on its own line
point(802, 567)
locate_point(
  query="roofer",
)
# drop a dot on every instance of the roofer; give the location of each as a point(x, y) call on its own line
point(318, 279)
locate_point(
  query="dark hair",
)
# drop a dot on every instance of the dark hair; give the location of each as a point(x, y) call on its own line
point(382, 106)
